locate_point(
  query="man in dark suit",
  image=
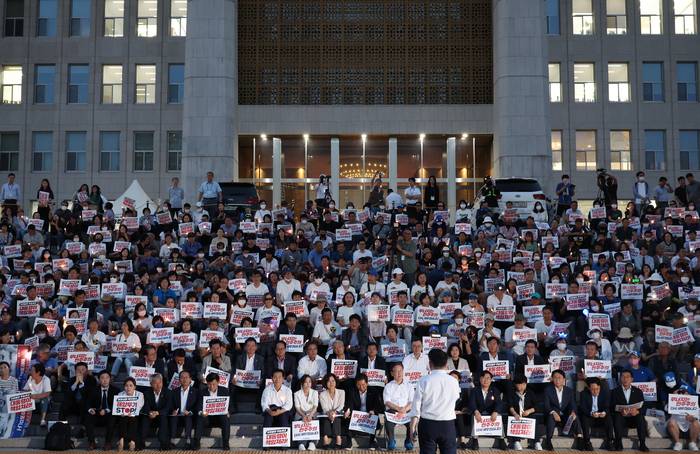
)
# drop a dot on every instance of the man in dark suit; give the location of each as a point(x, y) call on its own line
point(485, 402)
point(183, 408)
point(283, 361)
point(529, 358)
point(156, 407)
point(493, 354)
point(79, 388)
point(355, 337)
point(559, 406)
point(631, 400)
point(372, 360)
point(340, 353)
point(249, 361)
point(99, 410)
point(150, 359)
point(222, 421)
point(594, 410)
point(363, 398)
point(179, 363)
point(291, 326)
point(521, 402)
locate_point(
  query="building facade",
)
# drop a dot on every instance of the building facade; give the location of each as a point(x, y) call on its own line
point(278, 92)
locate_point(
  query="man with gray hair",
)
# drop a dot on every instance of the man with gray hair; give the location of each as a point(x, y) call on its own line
point(156, 408)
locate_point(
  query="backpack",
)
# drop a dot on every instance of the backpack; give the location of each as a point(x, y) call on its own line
point(58, 438)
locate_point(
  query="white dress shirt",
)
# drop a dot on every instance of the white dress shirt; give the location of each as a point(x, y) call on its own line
point(627, 392)
point(316, 369)
point(594, 404)
point(304, 404)
point(399, 395)
point(411, 363)
point(183, 399)
point(282, 398)
point(436, 396)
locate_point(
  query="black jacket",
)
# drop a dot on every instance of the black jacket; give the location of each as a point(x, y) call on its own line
point(551, 402)
point(379, 363)
point(586, 402)
point(487, 405)
point(192, 399)
point(95, 397)
point(290, 365)
point(188, 366)
point(374, 400)
point(164, 401)
point(220, 392)
point(617, 397)
point(521, 362)
point(513, 400)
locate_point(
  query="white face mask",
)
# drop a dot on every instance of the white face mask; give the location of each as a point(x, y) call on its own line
point(304, 221)
point(641, 178)
point(287, 280)
point(331, 205)
point(594, 308)
point(263, 206)
point(459, 321)
point(692, 307)
point(142, 313)
point(561, 346)
point(555, 281)
point(596, 335)
point(685, 279)
point(346, 283)
point(462, 205)
point(113, 280)
point(200, 255)
point(671, 383)
point(446, 253)
point(241, 302)
point(579, 280)
point(318, 281)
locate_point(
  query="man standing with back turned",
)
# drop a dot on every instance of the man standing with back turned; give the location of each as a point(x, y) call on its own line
point(434, 403)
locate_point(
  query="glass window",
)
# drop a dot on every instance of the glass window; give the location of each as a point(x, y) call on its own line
point(553, 27)
point(557, 158)
point(147, 19)
point(145, 84)
point(582, 16)
point(174, 151)
point(616, 18)
point(143, 151)
point(650, 16)
point(620, 153)
point(684, 17)
point(176, 83)
point(46, 19)
point(76, 155)
point(112, 84)
point(618, 82)
point(42, 151)
point(78, 84)
point(586, 150)
point(687, 73)
point(11, 84)
point(554, 82)
point(655, 149)
point(584, 82)
point(14, 18)
point(44, 77)
point(110, 149)
point(178, 17)
point(80, 18)
point(653, 81)
point(114, 18)
point(9, 151)
point(690, 149)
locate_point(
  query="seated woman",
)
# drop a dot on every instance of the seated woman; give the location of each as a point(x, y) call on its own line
point(306, 406)
point(128, 426)
point(332, 402)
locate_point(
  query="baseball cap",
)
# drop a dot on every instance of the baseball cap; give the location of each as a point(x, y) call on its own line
point(396, 271)
point(633, 353)
point(473, 296)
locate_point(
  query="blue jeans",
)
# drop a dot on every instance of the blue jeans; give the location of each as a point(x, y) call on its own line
point(43, 405)
point(128, 361)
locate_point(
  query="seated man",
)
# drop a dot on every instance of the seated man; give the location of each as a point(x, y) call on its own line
point(681, 423)
point(79, 388)
point(485, 402)
point(179, 363)
point(594, 411)
point(213, 390)
point(150, 359)
point(99, 410)
point(156, 408)
point(249, 361)
point(312, 364)
point(183, 406)
point(559, 406)
point(217, 358)
point(521, 404)
point(282, 360)
point(276, 402)
point(398, 398)
point(626, 396)
point(361, 398)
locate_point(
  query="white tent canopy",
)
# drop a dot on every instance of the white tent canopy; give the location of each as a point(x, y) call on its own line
point(136, 193)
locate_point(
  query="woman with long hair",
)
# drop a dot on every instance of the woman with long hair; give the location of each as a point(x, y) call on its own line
point(45, 197)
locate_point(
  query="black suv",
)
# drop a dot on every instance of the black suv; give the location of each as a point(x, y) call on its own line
point(239, 196)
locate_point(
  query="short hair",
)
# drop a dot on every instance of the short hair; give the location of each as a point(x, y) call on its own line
point(530, 341)
point(593, 381)
point(180, 353)
point(437, 358)
point(485, 373)
point(519, 379)
point(276, 371)
point(362, 377)
point(560, 372)
point(212, 376)
point(215, 341)
point(327, 377)
point(157, 376)
point(78, 364)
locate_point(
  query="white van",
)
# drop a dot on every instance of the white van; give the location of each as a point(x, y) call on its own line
point(523, 192)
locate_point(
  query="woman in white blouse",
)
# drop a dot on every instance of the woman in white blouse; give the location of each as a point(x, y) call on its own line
point(134, 346)
point(306, 405)
point(129, 425)
point(332, 402)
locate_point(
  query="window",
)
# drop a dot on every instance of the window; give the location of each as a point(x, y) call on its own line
point(14, 18)
point(112, 84)
point(109, 151)
point(80, 18)
point(687, 81)
point(145, 84)
point(147, 19)
point(174, 151)
point(684, 17)
point(176, 84)
point(78, 84)
point(585, 150)
point(620, 153)
point(46, 20)
point(650, 17)
point(44, 77)
point(584, 82)
point(618, 82)
point(690, 150)
point(655, 149)
point(143, 151)
point(557, 161)
point(552, 17)
point(616, 19)
point(114, 18)
point(42, 151)
point(554, 82)
point(9, 151)
point(11, 84)
point(178, 17)
point(582, 15)
point(76, 151)
point(653, 81)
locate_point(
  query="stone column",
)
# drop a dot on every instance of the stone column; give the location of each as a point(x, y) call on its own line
point(276, 172)
point(335, 169)
point(210, 140)
point(521, 145)
point(393, 164)
point(451, 154)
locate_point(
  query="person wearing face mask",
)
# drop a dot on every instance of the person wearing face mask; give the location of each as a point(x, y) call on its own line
point(640, 374)
point(318, 286)
point(596, 335)
point(323, 192)
point(640, 191)
point(287, 286)
point(463, 213)
point(262, 212)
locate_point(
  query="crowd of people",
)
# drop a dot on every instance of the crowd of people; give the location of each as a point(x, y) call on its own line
point(582, 321)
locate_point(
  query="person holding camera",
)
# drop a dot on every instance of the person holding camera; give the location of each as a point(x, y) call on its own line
point(565, 194)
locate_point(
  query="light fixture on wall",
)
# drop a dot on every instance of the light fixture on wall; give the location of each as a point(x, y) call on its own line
point(354, 169)
point(263, 136)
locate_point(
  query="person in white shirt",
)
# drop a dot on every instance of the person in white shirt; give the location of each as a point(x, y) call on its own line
point(312, 365)
point(412, 193)
point(262, 212)
point(129, 424)
point(398, 400)
point(306, 406)
point(417, 361)
point(94, 339)
point(361, 251)
point(434, 404)
point(373, 285)
point(287, 286)
point(326, 330)
point(256, 287)
point(393, 199)
point(133, 344)
point(40, 387)
point(498, 298)
point(276, 402)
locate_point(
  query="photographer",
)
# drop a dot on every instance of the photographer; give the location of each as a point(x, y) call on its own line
point(565, 194)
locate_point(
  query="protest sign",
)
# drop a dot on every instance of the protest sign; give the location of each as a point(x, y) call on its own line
point(82, 357)
point(26, 308)
point(475, 319)
point(524, 334)
point(215, 310)
point(576, 301)
point(532, 313)
point(597, 368)
point(504, 313)
point(191, 310)
point(297, 308)
point(394, 418)
point(242, 334)
point(295, 342)
point(306, 431)
point(521, 427)
point(247, 379)
point(683, 404)
point(363, 422)
point(499, 368)
point(393, 352)
point(600, 321)
point(207, 335)
point(19, 402)
point(427, 314)
point(538, 373)
point(402, 317)
point(648, 388)
point(565, 363)
point(375, 377)
point(378, 313)
point(488, 428)
point(185, 341)
point(276, 437)
point(224, 377)
point(552, 290)
point(125, 405)
point(160, 336)
point(215, 405)
point(142, 375)
point(344, 368)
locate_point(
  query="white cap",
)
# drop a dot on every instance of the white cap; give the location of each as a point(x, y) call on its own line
point(199, 204)
point(655, 277)
point(488, 220)
point(397, 271)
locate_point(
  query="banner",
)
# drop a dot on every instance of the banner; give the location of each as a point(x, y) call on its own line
point(378, 313)
point(276, 437)
point(363, 422)
point(576, 301)
point(427, 314)
point(375, 377)
point(160, 336)
point(564, 363)
point(393, 352)
point(524, 334)
point(600, 321)
point(185, 341)
point(392, 417)
point(191, 310)
point(475, 319)
point(215, 405)
point(125, 405)
point(306, 431)
point(430, 342)
point(248, 379)
point(295, 342)
point(19, 402)
point(297, 308)
point(26, 308)
point(649, 390)
point(142, 375)
point(540, 373)
point(207, 335)
point(344, 368)
point(632, 291)
point(218, 311)
point(498, 368)
point(402, 317)
point(82, 357)
point(552, 290)
point(224, 377)
point(683, 404)
point(597, 368)
point(488, 428)
point(244, 333)
point(521, 428)
point(504, 313)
